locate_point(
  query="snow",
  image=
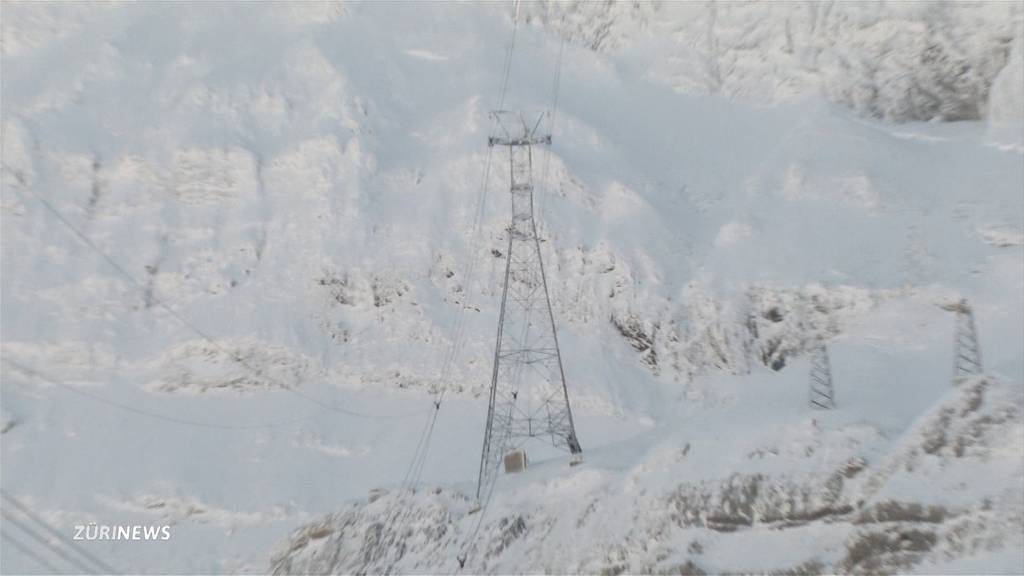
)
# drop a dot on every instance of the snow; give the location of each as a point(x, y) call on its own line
point(301, 184)
point(899, 61)
point(1006, 103)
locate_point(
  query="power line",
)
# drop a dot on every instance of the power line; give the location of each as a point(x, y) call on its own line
point(188, 324)
point(394, 510)
point(472, 255)
point(418, 461)
point(49, 545)
point(492, 480)
point(508, 58)
point(352, 413)
point(24, 549)
point(33, 534)
point(141, 412)
point(525, 295)
point(471, 540)
point(104, 567)
point(556, 90)
point(398, 512)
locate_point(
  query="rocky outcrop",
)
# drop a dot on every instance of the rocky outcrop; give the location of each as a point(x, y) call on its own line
point(589, 522)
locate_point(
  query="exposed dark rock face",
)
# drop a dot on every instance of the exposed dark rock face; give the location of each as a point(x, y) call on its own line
point(886, 550)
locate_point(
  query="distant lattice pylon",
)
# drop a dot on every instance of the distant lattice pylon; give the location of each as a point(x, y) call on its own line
point(966, 350)
point(822, 393)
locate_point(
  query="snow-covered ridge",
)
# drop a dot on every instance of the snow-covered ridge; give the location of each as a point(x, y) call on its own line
point(900, 61)
point(301, 214)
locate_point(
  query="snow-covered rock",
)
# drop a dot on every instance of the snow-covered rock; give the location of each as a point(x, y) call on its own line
point(815, 506)
point(902, 61)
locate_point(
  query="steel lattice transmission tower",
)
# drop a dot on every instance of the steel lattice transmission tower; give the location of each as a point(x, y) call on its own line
point(822, 393)
point(528, 398)
point(966, 350)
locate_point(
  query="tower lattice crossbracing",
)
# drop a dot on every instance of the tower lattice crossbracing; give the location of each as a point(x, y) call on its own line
point(966, 350)
point(822, 393)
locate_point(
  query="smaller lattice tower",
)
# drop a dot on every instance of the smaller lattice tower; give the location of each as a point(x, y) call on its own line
point(966, 350)
point(821, 394)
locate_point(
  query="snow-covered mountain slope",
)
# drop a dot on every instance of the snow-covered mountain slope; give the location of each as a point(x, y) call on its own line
point(895, 60)
point(300, 183)
point(805, 498)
